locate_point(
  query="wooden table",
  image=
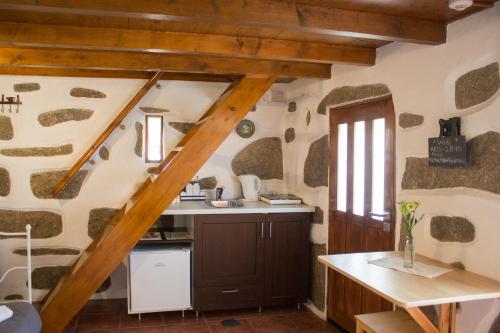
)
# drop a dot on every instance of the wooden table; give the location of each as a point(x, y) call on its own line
point(411, 291)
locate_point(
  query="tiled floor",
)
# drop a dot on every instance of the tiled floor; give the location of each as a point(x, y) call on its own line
point(110, 316)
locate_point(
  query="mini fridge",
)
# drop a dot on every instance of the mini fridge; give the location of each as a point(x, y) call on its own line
point(159, 278)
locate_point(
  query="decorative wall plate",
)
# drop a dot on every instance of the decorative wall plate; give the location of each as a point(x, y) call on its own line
point(246, 128)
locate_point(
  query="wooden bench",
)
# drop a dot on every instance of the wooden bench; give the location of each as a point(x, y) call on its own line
point(387, 322)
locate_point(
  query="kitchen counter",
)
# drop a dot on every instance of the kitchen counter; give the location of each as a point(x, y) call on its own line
point(251, 207)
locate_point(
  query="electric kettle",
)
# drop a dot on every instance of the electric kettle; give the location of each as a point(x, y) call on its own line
point(250, 185)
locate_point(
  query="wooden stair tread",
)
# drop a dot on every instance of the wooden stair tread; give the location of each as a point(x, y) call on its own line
point(150, 200)
point(388, 322)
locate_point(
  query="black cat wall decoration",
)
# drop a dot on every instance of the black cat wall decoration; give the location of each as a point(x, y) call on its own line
point(449, 149)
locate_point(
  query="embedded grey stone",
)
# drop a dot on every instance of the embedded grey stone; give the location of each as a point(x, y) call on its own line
point(104, 286)
point(13, 297)
point(104, 153)
point(43, 224)
point(308, 118)
point(481, 171)
point(150, 109)
point(352, 93)
point(98, 219)
point(495, 327)
point(48, 251)
point(138, 142)
point(42, 184)
point(4, 182)
point(47, 277)
point(316, 164)
point(51, 118)
point(26, 87)
point(289, 134)
point(263, 158)
point(318, 215)
point(292, 107)
point(6, 129)
point(89, 93)
point(458, 265)
point(208, 183)
point(317, 283)
point(180, 126)
point(407, 120)
point(452, 229)
point(254, 109)
point(152, 170)
point(38, 151)
point(477, 86)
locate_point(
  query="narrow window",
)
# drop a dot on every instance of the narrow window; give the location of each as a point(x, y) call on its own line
point(342, 168)
point(359, 169)
point(154, 139)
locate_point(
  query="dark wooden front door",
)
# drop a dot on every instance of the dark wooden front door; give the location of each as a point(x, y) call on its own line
point(361, 199)
point(286, 251)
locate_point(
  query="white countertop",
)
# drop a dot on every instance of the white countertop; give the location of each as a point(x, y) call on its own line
point(251, 207)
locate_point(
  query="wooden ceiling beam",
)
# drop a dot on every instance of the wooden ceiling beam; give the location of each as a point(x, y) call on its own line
point(41, 35)
point(136, 61)
point(286, 16)
point(121, 74)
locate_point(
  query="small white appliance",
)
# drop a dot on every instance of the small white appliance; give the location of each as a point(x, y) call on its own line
point(250, 185)
point(159, 278)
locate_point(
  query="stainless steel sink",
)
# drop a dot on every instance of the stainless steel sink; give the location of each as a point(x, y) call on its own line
point(225, 203)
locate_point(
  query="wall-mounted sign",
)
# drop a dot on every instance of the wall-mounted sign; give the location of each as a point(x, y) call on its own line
point(449, 151)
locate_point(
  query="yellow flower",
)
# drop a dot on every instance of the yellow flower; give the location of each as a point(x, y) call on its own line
point(412, 206)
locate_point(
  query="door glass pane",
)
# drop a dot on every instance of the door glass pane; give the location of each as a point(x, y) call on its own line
point(378, 168)
point(358, 198)
point(342, 168)
point(154, 138)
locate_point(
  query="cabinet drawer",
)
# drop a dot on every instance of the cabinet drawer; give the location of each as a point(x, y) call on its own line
point(227, 297)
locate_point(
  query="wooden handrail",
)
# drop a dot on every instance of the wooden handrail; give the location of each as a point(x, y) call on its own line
point(107, 132)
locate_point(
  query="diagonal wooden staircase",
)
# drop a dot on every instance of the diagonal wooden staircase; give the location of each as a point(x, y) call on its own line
point(149, 201)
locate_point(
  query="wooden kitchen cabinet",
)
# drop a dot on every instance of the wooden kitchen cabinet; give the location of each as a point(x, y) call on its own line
point(286, 258)
point(247, 260)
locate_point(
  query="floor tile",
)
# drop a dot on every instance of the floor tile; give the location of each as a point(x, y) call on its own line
point(157, 329)
point(151, 319)
point(188, 328)
point(97, 322)
point(272, 324)
point(175, 317)
point(308, 321)
point(129, 320)
point(102, 306)
point(219, 315)
point(243, 327)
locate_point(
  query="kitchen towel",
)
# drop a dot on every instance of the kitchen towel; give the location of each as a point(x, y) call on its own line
point(5, 313)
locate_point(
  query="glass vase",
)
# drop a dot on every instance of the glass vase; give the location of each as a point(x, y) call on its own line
point(409, 259)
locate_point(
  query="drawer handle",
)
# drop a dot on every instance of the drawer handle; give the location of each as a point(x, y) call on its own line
point(160, 264)
point(233, 291)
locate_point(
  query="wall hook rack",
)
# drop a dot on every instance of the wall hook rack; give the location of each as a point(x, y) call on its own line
point(10, 101)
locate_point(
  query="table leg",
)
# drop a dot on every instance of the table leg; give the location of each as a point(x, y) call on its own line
point(446, 319)
point(422, 320)
point(453, 317)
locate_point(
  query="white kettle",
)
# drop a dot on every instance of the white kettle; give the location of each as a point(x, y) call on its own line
point(250, 185)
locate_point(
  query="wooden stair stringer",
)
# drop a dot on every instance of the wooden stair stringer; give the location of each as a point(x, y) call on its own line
point(110, 251)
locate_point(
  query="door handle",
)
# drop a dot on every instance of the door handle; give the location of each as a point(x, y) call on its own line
point(384, 215)
point(270, 229)
point(261, 229)
point(233, 291)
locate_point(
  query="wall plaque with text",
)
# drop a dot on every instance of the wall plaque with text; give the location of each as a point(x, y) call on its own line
point(449, 151)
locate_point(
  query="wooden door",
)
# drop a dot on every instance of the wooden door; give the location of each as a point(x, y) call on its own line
point(228, 249)
point(361, 198)
point(286, 257)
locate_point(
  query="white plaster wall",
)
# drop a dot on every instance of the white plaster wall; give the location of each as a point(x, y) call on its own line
point(421, 79)
point(109, 183)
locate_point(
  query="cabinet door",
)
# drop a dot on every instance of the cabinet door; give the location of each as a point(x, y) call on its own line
point(287, 256)
point(228, 250)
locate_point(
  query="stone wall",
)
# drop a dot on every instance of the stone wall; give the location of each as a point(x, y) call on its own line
point(58, 121)
point(461, 206)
